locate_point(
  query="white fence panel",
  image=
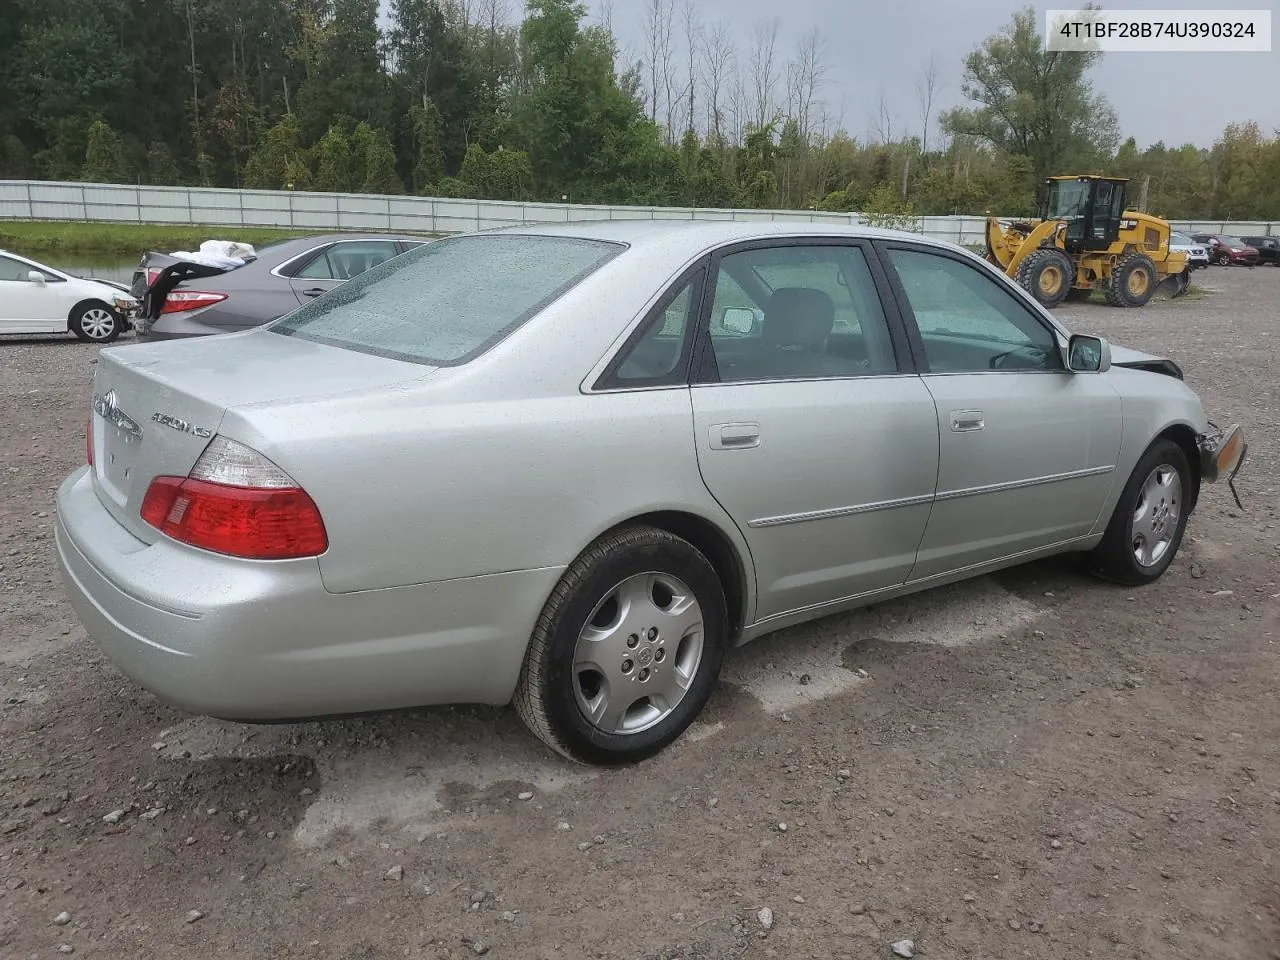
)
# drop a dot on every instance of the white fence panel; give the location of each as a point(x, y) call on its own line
point(123, 203)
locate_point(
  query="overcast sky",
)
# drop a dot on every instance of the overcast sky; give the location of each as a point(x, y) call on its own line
point(1174, 97)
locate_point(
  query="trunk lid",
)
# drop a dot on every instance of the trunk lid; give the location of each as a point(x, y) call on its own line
point(157, 406)
point(158, 273)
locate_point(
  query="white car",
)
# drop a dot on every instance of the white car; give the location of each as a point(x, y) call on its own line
point(35, 298)
point(1197, 253)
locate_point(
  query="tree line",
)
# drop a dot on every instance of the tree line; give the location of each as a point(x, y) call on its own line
point(461, 98)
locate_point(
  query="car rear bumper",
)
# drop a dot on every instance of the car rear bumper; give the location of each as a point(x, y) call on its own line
point(265, 641)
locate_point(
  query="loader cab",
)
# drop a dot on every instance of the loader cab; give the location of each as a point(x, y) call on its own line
point(1092, 208)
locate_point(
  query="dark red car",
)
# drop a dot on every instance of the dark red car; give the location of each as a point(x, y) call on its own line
point(1225, 250)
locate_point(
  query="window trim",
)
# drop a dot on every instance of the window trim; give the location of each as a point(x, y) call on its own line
point(608, 382)
point(705, 373)
point(1016, 293)
point(312, 252)
point(396, 250)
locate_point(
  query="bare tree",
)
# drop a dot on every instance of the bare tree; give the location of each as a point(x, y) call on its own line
point(927, 89)
point(738, 106)
point(719, 58)
point(806, 76)
point(882, 121)
point(764, 71)
point(693, 38)
point(606, 15)
point(493, 16)
point(657, 26)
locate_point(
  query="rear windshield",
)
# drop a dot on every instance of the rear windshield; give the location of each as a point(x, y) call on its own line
point(449, 301)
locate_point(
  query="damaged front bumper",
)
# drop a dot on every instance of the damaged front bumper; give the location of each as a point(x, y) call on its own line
point(1222, 454)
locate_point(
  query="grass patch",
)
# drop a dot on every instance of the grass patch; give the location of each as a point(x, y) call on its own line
point(43, 237)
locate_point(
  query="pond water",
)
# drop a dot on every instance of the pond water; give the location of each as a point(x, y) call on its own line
point(100, 267)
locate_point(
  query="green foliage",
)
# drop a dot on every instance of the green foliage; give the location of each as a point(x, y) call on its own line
point(335, 170)
point(428, 150)
point(447, 98)
point(160, 165)
point(886, 208)
point(377, 158)
point(103, 157)
point(1033, 102)
point(15, 158)
point(501, 175)
point(278, 163)
point(39, 238)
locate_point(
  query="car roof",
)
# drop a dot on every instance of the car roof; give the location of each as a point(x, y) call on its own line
point(276, 253)
point(702, 234)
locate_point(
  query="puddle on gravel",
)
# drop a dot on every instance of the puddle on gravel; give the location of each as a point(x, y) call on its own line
point(806, 663)
point(411, 771)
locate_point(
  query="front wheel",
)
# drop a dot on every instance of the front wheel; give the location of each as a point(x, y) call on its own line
point(627, 650)
point(1132, 282)
point(1047, 275)
point(95, 322)
point(1147, 526)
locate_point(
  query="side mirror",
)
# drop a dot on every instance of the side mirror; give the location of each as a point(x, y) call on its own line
point(1088, 354)
point(36, 277)
point(739, 321)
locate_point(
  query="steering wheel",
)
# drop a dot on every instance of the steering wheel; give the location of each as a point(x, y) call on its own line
point(1034, 354)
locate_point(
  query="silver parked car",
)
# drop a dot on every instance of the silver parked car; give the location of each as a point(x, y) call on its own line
point(571, 466)
point(1197, 253)
point(182, 298)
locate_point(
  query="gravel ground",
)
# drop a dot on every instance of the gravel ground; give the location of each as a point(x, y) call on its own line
point(1034, 764)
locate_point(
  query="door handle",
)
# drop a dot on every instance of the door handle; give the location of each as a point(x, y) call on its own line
point(966, 421)
point(313, 292)
point(735, 436)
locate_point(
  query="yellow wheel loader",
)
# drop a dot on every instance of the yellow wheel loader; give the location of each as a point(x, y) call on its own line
point(1086, 240)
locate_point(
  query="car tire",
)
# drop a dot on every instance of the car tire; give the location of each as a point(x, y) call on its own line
point(626, 651)
point(1133, 281)
point(1048, 275)
point(1150, 517)
point(94, 322)
point(1224, 260)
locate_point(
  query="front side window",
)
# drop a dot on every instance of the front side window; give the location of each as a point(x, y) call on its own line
point(1067, 199)
point(798, 312)
point(11, 269)
point(968, 321)
point(449, 301)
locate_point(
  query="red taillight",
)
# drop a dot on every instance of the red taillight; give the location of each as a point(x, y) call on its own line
point(239, 521)
point(152, 273)
point(262, 516)
point(88, 441)
point(179, 301)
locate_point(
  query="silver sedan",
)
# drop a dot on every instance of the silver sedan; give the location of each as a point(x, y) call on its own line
point(569, 467)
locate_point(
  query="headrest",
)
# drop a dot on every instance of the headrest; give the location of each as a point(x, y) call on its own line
point(798, 317)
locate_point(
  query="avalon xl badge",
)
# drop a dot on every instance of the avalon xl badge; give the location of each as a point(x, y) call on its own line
point(182, 425)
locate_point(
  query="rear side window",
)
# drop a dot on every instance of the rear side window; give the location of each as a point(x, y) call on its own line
point(447, 302)
point(348, 259)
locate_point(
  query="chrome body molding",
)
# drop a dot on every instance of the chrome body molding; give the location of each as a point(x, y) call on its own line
point(834, 512)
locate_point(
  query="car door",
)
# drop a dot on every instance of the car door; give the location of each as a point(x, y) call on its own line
point(337, 263)
point(811, 429)
point(1027, 448)
point(26, 306)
